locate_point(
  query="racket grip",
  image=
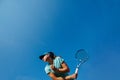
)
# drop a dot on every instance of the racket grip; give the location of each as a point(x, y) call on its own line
point(76, 71)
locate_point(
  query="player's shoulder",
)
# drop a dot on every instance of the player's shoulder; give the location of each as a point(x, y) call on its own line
point(47, 66)
point(58, 57)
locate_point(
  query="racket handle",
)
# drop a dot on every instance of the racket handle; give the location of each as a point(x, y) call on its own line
point(76, 71)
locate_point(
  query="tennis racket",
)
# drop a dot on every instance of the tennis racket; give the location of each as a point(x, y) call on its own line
point(81, 56)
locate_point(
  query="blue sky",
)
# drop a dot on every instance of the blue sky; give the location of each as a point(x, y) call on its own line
point(29, 28)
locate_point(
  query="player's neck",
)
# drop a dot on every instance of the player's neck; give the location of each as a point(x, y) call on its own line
point(51, 61)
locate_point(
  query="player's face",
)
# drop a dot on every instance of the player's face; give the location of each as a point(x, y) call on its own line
point(46, 57)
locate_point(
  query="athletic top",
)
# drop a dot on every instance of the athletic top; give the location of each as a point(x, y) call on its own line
point(57, 63)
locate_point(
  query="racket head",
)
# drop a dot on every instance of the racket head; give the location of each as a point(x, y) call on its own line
point(81, 55)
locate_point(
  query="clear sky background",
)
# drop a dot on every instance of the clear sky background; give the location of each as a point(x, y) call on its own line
point(30, 27)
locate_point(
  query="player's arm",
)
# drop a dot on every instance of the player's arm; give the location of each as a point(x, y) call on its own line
point(64, 68)
point(53, 77)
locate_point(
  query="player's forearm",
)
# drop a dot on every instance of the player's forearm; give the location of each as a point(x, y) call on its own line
point(63, 70)
point(58, 78)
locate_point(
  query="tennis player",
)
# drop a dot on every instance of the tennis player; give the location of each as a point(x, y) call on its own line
point(56, 68)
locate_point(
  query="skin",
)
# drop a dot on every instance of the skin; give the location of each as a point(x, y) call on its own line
point(64, 69)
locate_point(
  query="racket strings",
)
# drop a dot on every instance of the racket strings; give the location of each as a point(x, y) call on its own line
point(81, 55)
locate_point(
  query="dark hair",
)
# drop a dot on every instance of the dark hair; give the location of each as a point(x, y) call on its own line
point(51, 55)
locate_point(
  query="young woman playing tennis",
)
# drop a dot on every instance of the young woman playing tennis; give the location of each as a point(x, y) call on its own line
point(56, 68)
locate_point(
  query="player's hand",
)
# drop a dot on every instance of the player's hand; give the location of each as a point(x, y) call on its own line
point(54, 69)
